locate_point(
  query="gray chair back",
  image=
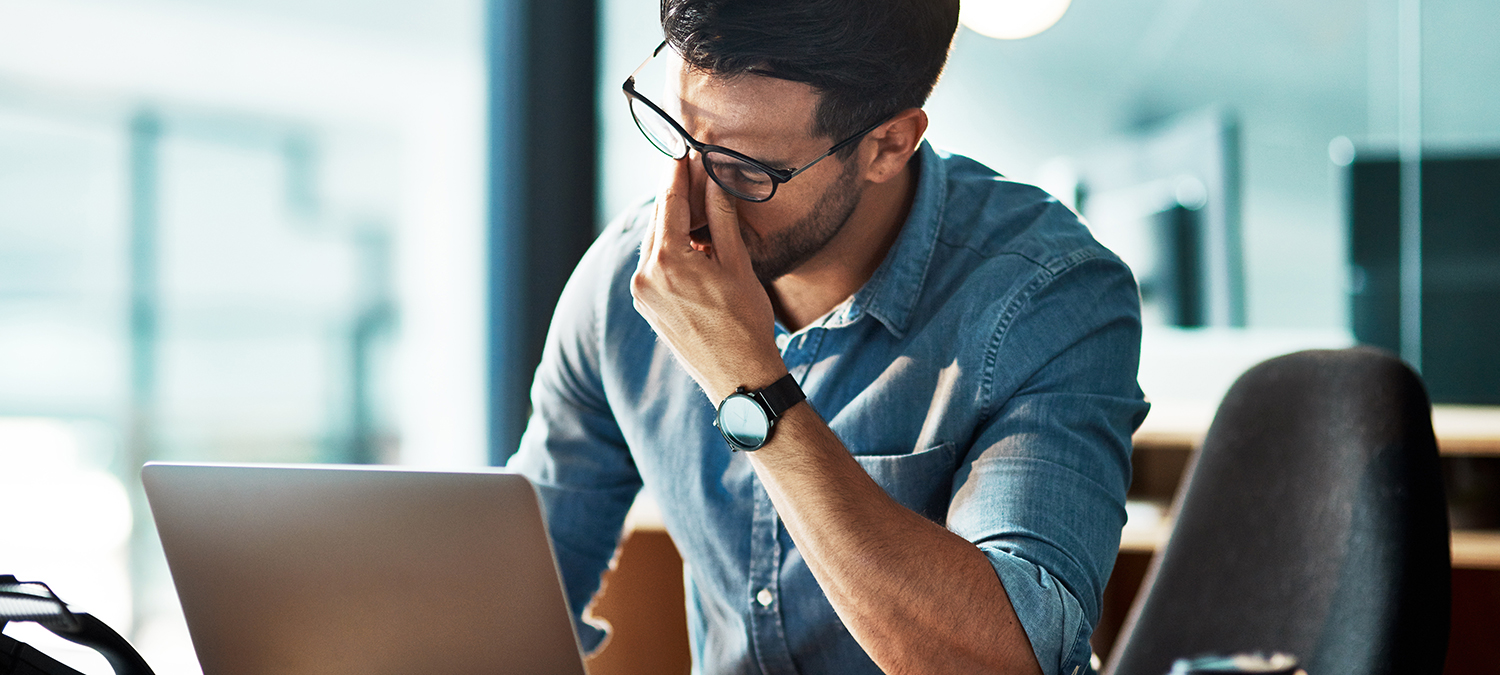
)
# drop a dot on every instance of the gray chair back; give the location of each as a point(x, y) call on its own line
point(1312, 522)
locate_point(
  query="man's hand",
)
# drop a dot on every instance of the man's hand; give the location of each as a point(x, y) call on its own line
point(702, 297)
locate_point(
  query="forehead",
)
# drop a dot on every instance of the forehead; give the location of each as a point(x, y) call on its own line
point(747, 107)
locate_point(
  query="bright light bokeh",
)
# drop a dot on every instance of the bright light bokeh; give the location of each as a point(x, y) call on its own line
point(67, 525)
point(1011, 19)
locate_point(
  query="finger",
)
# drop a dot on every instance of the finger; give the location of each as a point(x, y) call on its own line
point(724, 226)
point(674, 210)
point(648, 238)
point(666, 207)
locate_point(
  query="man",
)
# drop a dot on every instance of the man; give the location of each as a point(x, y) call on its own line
point(948, 497)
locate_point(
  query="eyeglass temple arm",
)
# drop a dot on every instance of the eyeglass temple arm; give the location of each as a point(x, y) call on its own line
point(836, 147)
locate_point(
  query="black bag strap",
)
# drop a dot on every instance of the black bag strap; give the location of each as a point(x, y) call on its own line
point(34, 601)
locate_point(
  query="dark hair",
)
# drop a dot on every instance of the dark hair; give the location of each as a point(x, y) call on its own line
point(869, 59)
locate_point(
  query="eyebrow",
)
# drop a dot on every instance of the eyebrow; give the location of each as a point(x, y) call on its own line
point(780, 163)
point(777, 163)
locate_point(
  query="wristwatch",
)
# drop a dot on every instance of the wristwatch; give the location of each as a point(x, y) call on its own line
point(746, 418)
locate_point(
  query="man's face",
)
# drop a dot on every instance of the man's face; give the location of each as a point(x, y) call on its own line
point(771, 120)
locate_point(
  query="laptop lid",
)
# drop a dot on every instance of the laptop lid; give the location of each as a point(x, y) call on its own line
point(371, 570)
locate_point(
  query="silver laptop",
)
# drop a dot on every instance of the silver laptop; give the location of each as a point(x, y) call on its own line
point(327, 570)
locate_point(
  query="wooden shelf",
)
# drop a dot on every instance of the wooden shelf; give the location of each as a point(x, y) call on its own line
point(1175, 425)
point(1136, 539)
point(1466, 431)
point(1476, 550)
point(1472, 549)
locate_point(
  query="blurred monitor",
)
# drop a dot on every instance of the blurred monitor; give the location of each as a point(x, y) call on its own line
point(1167, 201)
point(1460, 268)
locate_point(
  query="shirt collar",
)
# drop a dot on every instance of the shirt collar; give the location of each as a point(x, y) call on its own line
point(892, 292)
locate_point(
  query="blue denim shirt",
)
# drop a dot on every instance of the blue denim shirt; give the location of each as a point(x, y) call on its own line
point(985, 376)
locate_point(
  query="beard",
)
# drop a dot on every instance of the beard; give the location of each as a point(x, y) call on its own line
point(776, 255)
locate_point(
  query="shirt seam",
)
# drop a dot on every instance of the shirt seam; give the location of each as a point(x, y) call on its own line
point(1002, 328)
point(1045, 275)
point(991, 255)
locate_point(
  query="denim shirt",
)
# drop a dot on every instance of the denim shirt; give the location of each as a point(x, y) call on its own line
point(985, 377)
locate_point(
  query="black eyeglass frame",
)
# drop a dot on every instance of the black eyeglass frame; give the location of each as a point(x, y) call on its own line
point(777, 176)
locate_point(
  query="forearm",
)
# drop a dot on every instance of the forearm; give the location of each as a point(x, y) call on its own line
point(917, 597)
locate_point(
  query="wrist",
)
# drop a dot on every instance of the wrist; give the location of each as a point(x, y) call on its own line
point(747, 418)
point(752, 376)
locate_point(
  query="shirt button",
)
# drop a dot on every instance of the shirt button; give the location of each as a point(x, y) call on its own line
point(764, 597)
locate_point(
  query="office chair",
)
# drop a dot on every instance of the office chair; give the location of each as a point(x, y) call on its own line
point(1311, 522)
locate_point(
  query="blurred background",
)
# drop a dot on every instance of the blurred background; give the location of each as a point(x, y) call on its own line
point(334, 230)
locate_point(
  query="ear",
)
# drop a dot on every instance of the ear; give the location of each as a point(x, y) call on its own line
point(887, 148)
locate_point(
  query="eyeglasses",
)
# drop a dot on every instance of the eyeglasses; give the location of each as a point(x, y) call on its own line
point(740, 175)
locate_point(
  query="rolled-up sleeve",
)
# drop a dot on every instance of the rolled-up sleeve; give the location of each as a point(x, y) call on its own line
point(1042, 489)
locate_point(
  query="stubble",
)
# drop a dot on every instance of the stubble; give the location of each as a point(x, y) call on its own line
point(777, 255)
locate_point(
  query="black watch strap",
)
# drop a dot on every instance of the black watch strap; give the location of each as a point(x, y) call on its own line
point(781, 395)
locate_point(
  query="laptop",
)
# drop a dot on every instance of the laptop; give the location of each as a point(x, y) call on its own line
point(328, 570)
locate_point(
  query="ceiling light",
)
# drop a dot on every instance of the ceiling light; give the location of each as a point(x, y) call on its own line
point(1011, 19)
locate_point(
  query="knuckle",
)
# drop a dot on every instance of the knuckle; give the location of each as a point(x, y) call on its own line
point(662, 262)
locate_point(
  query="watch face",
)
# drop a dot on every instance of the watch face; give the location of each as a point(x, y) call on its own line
point(743, 422)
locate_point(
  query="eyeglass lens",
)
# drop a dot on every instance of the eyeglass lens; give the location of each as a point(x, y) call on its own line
point(658, 130)
point(736, 176)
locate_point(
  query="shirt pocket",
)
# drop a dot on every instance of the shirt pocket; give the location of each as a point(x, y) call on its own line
point(921, 481)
